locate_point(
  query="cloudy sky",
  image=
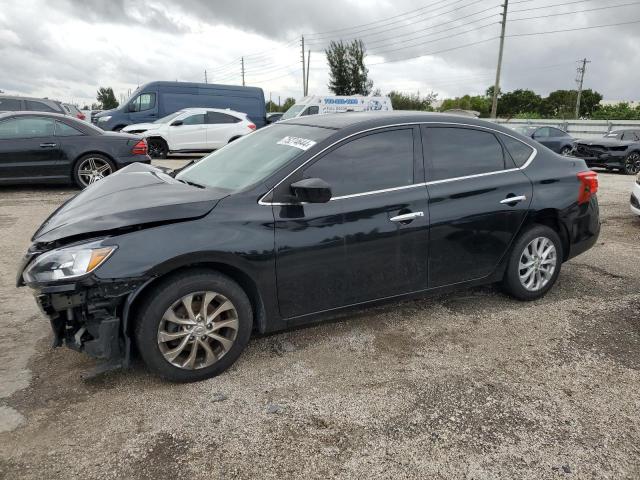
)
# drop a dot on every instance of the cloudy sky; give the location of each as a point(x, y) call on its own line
point(68, 48)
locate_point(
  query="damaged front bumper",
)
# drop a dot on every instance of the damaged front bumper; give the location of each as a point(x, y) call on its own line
point(92, 317)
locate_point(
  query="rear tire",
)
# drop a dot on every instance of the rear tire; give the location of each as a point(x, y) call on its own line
point(534, 263)
point(91, 168)
point(157, 148)
point(566, 151)
point(632, 164)
point(159, 337)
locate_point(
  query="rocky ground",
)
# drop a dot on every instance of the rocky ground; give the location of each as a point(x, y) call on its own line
point(465, 385)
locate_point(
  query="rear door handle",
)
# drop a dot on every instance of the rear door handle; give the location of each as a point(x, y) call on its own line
point(407, 217)
point(47, 145)
point(517, 199)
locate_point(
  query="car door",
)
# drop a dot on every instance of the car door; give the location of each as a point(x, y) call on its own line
point(143, 108)
point(188, 133)
point(220, 129)
point(556, 140)
point(370, 241)
point(471, 179)
point(29, 149)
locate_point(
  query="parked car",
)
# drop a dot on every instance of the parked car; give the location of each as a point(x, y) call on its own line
point(193, 130)
point(94, 113)
point(273, 117)
point(322, 104)
point(619, 150)
point(634, 201)
point(10, 103)
point(159, 99)
point(554, 138)
point(73, 111)
point(54, 148)
point(300, 221)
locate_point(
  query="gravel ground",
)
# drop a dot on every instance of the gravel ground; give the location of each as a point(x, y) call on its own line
point(464, 385)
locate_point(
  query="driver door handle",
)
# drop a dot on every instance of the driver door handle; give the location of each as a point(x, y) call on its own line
point(514, 199)
point(47, 145)
point(407, 217)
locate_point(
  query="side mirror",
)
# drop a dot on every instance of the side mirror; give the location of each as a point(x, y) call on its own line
point(312, 190)
point(177, 123)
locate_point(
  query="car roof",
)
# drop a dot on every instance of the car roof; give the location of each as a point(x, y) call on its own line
point(339, 121)
point(207, 109)
point(31, 113)
point(20, 97)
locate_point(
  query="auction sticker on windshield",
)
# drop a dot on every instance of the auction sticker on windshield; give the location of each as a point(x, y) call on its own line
point(297, 142)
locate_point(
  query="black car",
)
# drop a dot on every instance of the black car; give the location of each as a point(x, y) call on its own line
point(9, 103)
point(273, 117)
point(52, 148)
point(554, 138)
point(299, 221)
point(619, 150)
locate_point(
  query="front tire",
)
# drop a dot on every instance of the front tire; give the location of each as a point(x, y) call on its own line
point(632, 164)
point(566, 151)
point(193, 326)
point(534, 263)
point(92, 168)
point(157, 148)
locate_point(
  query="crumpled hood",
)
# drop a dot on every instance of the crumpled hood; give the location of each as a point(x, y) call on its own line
point(605, 142)
point(142, 126)
point(136, 195)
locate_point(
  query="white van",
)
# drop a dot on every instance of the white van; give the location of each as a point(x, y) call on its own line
point(318, 104)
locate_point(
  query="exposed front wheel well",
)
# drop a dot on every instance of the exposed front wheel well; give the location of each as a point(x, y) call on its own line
point(237, 275)
point(234, 138)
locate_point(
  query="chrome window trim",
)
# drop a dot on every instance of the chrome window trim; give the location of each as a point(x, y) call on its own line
point(433, 182)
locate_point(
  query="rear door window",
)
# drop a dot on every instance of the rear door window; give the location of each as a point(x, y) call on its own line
point(64, 130)
point(373, 162)
point(556, 132)
point(459, 152)
point(519, 152)
point(26, 127)
point(10, 105)
point(217, 117)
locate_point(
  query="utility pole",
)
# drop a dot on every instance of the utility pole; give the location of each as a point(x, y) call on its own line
point(242, 68)
point(496, 86)
point(580, 81)
point(205, 77)
point(304, 75)
point(306, 84)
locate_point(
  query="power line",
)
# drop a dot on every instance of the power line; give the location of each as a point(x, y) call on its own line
point(353, 35)
point(563, 4)
point(573, 29)
point(576, 11)
point(383, 21)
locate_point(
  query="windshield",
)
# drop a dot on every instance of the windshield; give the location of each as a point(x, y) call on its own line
point(169, 117)
point(254, 157)
point(293, 111)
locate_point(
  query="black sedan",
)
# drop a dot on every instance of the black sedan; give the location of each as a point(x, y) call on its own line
point(553, 138)
point(619, 150)
point(52, 148)
point(299, 221)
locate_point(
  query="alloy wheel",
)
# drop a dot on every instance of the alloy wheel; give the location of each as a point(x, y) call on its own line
point(93, 169)
point(197, 330)
point(632, 163)
point(566, 151)
point(537, 264)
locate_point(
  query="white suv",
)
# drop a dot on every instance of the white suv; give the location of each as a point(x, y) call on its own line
point(192, 130)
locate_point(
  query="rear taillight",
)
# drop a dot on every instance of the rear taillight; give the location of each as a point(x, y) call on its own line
point(588, 186)
point(251, 126)
point(81, 116)
point(140, 148)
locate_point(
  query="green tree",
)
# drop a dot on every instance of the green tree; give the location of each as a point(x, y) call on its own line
point(621, 111)
point(412, 101)
point(288, 103)
point(106, 98)
point(348, 74)
point(477, 103)
point(271, 106)
point(518, 101)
